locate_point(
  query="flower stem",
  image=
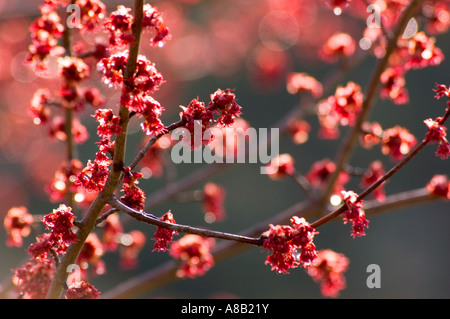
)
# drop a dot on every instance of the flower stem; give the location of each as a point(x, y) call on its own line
point(92, 214)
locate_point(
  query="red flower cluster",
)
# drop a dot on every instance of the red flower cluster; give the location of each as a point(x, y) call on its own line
point(91, 254)
point(213, 202)
point(371, 134)
point(290, 246)
point(394, 85)
point(154, 23)
point(45, 32)
point(132, 244)
point(222, 103)
point(135, 95)
point(301, 82)
point(333, 4)
point(321, 171)
point(194, 252)
point(133, 197)
point(418, 52)
point(33, 279)
point(373, 174)
point(64, 181)
point(355, 213)
point(121, 21)
point(397, 142)
point(153, 162)
point(281, 166)
point(93, 177)
point(164, 236)
point(83, 291)
point(119, 25)
point(39, 109)
point(437, 134)
point(17, 224)
point(112, 230)
point(328, 269)
point(60, 223)
point(92, 12)
point(339, 45)
point(299, 131)
point(108, 123)
point(438, 16)
point(342, 108)
point(439, 185)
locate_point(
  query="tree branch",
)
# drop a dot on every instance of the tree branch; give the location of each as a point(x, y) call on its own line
point(93, 212)
point(352, 137)
point(166, 272)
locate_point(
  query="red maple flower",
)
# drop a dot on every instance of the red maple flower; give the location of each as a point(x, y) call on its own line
point(41, 248)
point(437, 134)
point(92, 12)
point(108, 123)
point(281, 166)
point(196, 112)
point(346, 103)
point(133, 197)
point(213, 202)
point(45, 32)
point(299, 131)
point(439, 185)
point(39, 109)
point(17, 224)
point(301, 82)
point(372, 133)
point(355, 213)
point(64, 181)
point(224, 103)
point(112, 230)
point(373, 174)
point(397, 142)
point(194, 252)
point(119, 26)
point(154, 22)
point(290, 246)
point(60, 223)
point(418, 52)
point(83, 290)
point(132, 244)
point(328, 269)
point(321, 171)
point(441, 90)
point(73, 69)
point(394, 85)
point(163, 236)
point(93, 177)
point(34, 279)
point(333, 4)
point(339, 45)
point(90, 255)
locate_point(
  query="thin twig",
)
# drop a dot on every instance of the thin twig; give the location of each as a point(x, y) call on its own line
point(352, 137)
point(152, 220)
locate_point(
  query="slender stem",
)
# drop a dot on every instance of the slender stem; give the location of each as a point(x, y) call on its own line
point(93, 212)
point(152, 142)
point(352, 137)
point(382, 179)
point(166, 273)
point(68, 122)
point(152, 220)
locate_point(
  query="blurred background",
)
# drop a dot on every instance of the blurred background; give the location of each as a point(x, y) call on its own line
point(249, 46)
